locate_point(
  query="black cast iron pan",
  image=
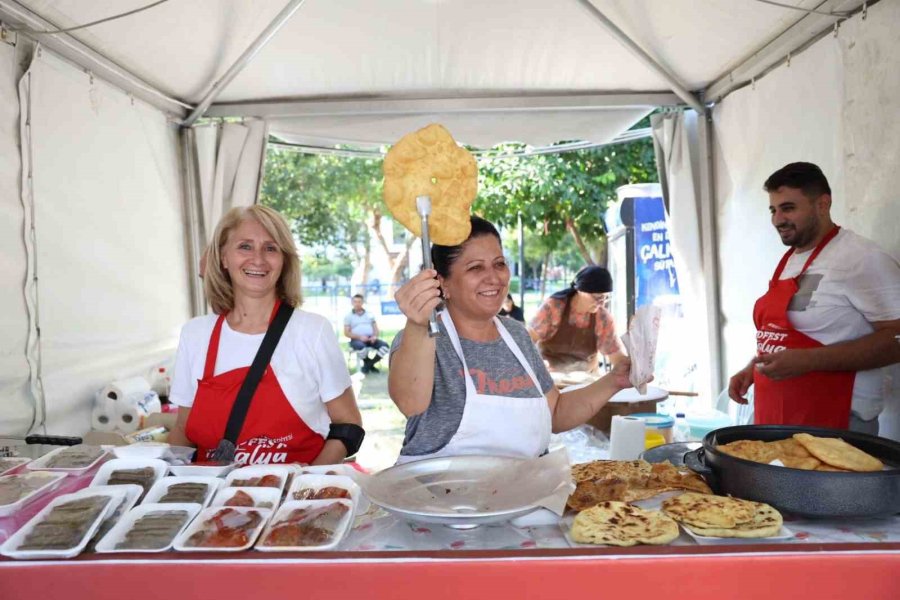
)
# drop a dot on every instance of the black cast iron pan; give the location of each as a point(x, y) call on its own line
point(806, 493)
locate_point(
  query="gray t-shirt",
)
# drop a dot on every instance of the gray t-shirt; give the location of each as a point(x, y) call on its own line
point(495, 371)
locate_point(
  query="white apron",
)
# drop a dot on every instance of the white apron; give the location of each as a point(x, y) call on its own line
point(496, 425)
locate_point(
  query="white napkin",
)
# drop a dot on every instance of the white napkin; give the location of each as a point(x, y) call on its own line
point(640, 343)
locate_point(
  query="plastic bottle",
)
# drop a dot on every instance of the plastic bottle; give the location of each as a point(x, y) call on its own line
point(159, 383)
point(681, 432)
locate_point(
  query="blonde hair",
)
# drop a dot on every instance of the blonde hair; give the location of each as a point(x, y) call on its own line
point(217, 281)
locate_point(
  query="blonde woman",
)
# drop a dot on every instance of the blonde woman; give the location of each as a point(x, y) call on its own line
point(303, 409)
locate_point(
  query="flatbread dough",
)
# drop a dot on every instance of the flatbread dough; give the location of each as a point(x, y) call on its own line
point(620, 524)
point(428, 162)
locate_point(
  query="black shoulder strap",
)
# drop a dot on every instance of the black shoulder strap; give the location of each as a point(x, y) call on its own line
point(254, 376)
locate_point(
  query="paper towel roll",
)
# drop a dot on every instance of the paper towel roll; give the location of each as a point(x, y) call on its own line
point(121, 389)
point(626, 438)
point(103, 416)
point(131, 411)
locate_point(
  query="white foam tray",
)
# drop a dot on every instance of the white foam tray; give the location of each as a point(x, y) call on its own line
point(109, 467)
point(286, 508)
point(199, 523)
point(117, 534)
point(282, 471)
point(14, 463)
point(201, 470)
point(39, 464)
point(317, 482)
point(9, 548)
point(163, 484)
point(52, 481)
point(259, 494)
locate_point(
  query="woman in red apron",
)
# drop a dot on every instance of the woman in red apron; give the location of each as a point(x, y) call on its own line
point(303, 409)
point(817, 398)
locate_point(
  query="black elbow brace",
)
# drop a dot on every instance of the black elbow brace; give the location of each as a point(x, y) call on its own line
point(350, 434)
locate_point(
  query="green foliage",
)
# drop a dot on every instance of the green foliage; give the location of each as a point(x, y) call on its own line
point(549, 190)
point(326, 199)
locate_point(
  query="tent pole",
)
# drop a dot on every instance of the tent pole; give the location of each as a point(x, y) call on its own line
point(709, 243)
point(190, 201)
point(17, 16)
point(675, 85)
point(268, 33)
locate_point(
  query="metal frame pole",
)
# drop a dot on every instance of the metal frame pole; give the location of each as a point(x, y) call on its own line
point(674, 84)
point(242, 61)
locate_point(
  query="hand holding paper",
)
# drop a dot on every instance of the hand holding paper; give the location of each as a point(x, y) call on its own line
point(640, 343)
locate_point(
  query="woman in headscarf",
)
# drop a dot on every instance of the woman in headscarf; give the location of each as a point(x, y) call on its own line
point(573, 327)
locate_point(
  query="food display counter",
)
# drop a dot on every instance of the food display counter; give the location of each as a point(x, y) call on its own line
point(387, 556)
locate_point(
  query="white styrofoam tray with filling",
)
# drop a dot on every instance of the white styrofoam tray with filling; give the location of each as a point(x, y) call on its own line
point(117, 534)
point(12, 463)
point(200, 523)
point(289, 506)
point(259, 495)
point(283, 472)
point(48, 481)
point(10, 546)
point(40, 464)
point(125, 464)
point(319, 482)
point(162, 485)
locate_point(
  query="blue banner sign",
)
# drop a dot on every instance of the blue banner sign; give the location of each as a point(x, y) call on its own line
point(654, 267)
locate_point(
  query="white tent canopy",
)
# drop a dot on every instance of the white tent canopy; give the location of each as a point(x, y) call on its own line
point(94, 151)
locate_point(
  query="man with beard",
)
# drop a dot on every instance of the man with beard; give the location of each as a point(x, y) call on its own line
point(830, 319)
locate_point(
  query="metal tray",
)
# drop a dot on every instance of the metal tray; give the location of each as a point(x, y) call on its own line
point(674, 453)
point(460, 491)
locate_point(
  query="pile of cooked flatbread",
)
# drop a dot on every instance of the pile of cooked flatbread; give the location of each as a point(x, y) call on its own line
point(620, 524)
point(627, 481)
point(722, 516)
point(804, 451)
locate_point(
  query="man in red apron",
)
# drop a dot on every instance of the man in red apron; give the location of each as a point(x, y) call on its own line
point(829, 320)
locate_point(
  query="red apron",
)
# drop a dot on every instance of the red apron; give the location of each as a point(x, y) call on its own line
point(818, 398)
point(272, 431)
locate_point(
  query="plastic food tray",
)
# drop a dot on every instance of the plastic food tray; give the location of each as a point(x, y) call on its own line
point(198, 524)
point(195, 470)
point(317, 482)
point(339, 533)
point(9, 548)
point(259, 494)
point(51, 481)
point(163, 484)
point(117, 464)
point(117, 534)
point(13, 463)
point(39, 464)
point(281, 471)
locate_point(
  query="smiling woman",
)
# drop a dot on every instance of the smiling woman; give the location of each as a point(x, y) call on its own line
point(303, 408)
point(480, 387)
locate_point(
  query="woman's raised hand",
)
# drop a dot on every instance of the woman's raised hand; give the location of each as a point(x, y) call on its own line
point(419, 296)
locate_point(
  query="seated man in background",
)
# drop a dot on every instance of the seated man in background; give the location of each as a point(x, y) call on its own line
point(362, 330)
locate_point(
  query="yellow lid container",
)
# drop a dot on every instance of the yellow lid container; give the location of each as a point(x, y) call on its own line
point(653, 439)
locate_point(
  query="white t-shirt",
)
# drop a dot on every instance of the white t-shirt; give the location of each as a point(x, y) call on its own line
point(308, 363)
point(850, 285)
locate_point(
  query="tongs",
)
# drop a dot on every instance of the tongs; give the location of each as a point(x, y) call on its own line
point(423, 207)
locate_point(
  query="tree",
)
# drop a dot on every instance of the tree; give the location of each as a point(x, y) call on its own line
point(563, 194)
point(332, 201)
